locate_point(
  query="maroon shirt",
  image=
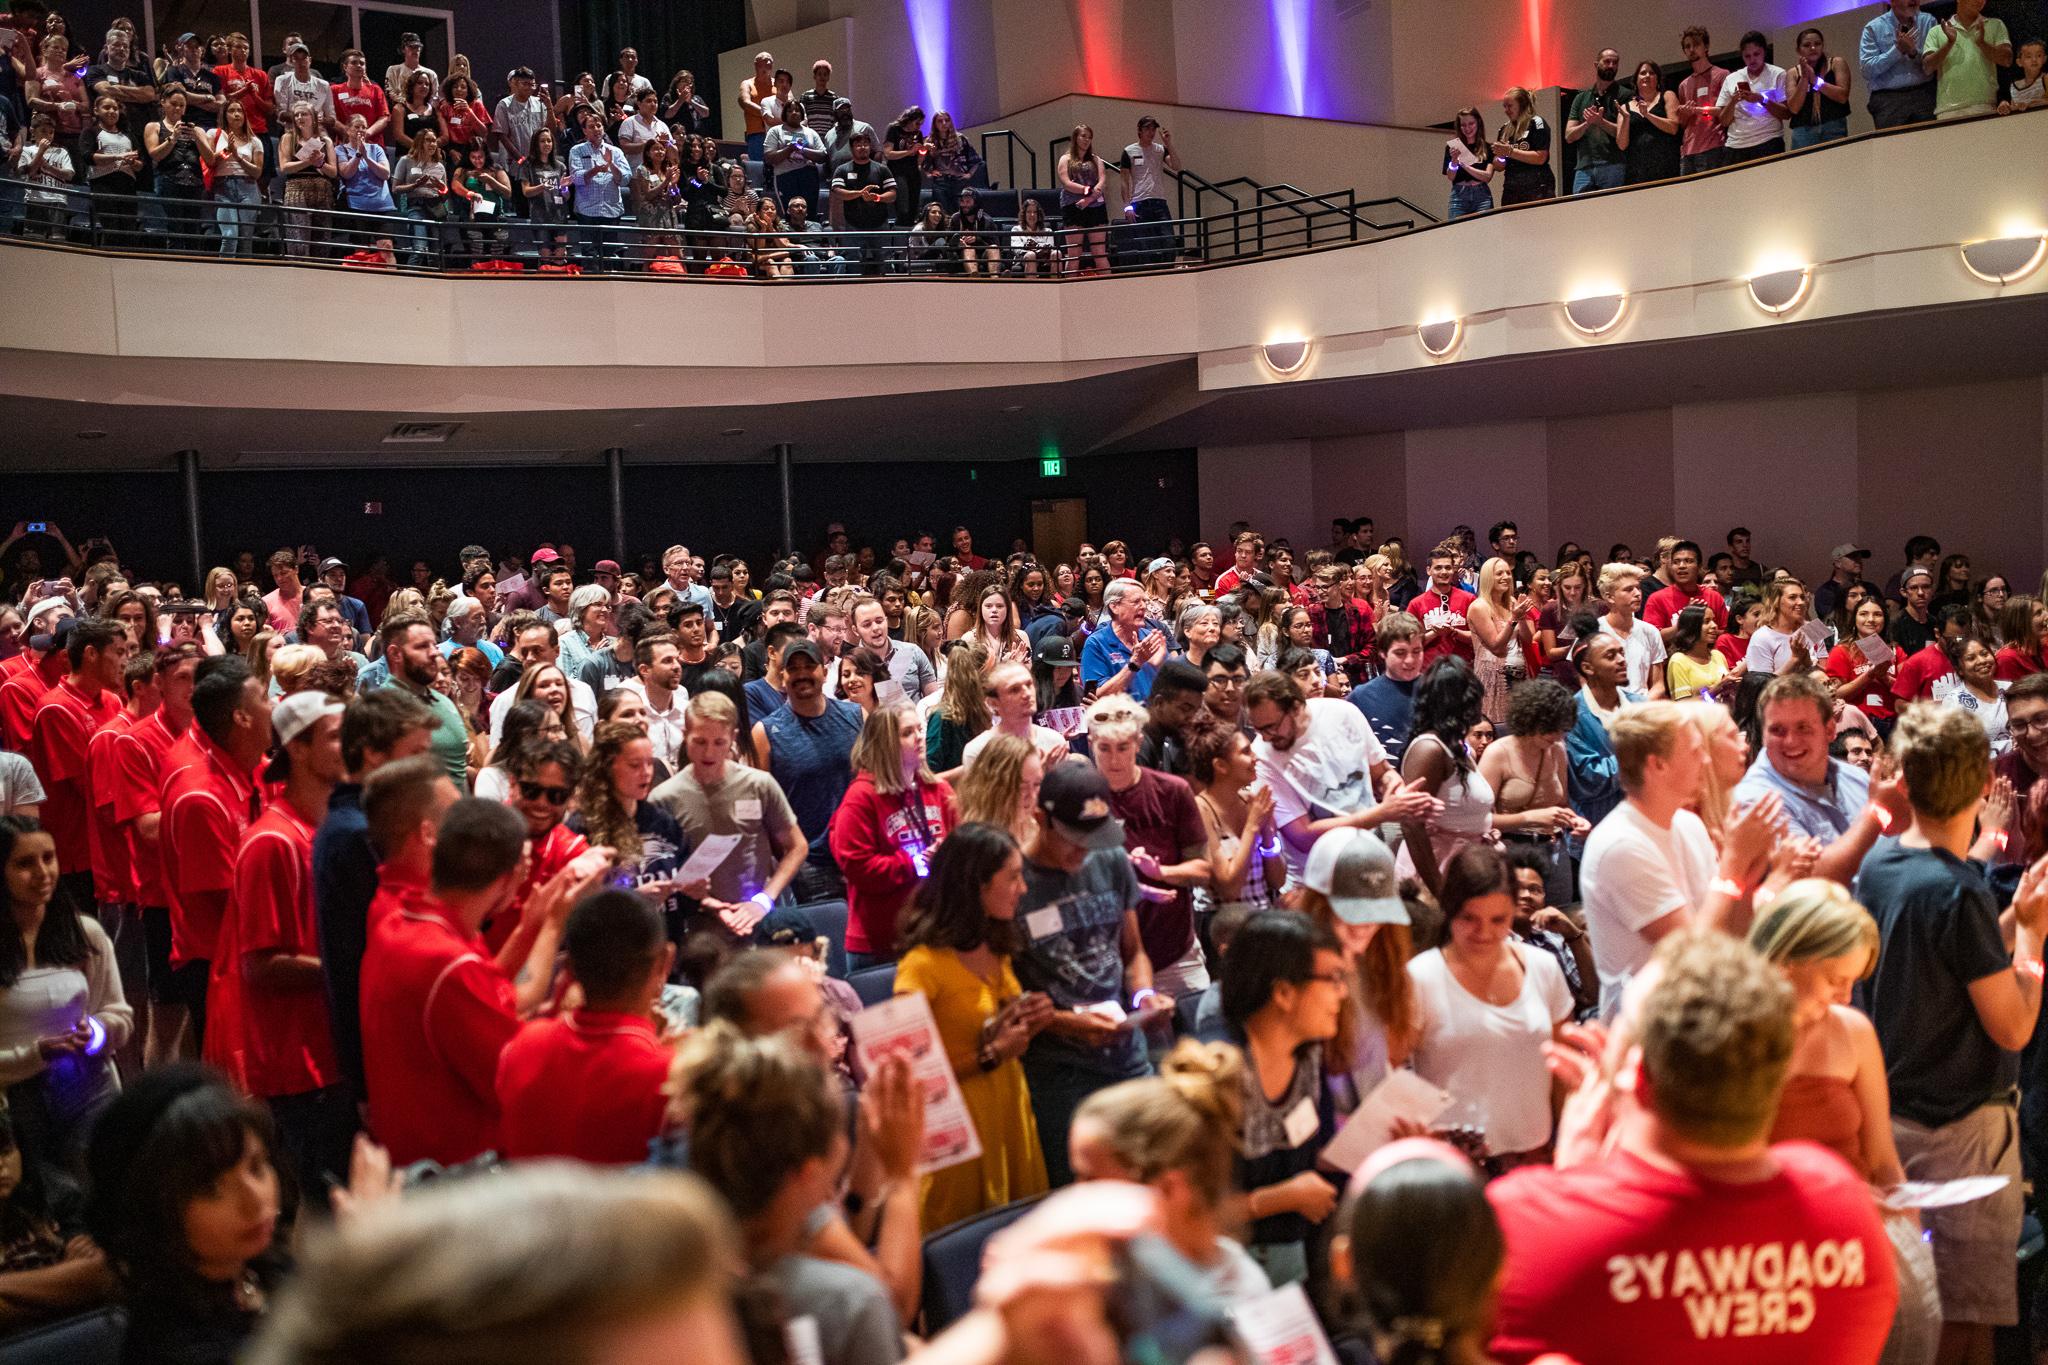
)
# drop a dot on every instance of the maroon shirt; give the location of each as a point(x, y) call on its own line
point(1160, 817)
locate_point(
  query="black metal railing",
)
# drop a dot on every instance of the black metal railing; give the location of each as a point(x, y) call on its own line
point(1011, 145)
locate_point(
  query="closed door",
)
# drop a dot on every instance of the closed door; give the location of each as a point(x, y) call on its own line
point(1058, 526)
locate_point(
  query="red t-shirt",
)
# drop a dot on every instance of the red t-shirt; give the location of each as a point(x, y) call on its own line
point(588, 1087)
point(22, 695)
point(284, 611)
point(1734, 648)
point(139, 754)
point(1617, 1262)
point(1914, 679)
point(256, 100)
point(270, 1042)
point(1228, 580)
point(369, 102)
point(113, 871)
point(467, 123)
point(206, 809)
point(65, 721)
point(1444, 645)
point(436, 1016)
point(551, 854)
point(2013, 665)
point(1665, 604)
point(1845, 661)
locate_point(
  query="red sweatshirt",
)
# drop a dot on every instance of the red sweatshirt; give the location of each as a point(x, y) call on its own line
point(873, 837)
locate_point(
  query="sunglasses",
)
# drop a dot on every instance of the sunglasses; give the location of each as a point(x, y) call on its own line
point(555, 796)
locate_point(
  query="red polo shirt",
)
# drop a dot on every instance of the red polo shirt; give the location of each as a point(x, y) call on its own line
point(206, 808)
point(139, 754)
point(369, 102)
point(22, 695)
point(587, 1087)
point(65, 720)
point(555, 850)
point(1446, 645)
point(1912, 680)
point(1665, 604)
point(270, 1042)
point(19, 663)
point(113, 871)
point(436, 1016)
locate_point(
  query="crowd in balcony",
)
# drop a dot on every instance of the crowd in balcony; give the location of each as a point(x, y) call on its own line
point(1490, 944)
point(200, 151)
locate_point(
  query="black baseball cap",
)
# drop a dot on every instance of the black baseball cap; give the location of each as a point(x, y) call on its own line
point(1056, 650)
point(1074, 799)
point(806, 647)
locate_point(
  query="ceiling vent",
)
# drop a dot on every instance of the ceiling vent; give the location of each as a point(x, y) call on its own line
point(421, 433)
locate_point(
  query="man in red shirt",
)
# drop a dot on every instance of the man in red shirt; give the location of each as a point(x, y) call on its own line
point(266, 1006)
point(588, 1086)
point(1245, 550)
point(207, 806)
point(1442, 608)
point(1694, 1239)
point(113, 866)
point(436, 1011)
point(1685, 590)
point(85, 699)
point(358, 94)
point(43, 668)
point(136, 782)
point(246, 85)
point(1914, 679)
point(963, 549)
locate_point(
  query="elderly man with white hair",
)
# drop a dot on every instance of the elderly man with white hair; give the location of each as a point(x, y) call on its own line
point(1123, 656)
point(466, 622)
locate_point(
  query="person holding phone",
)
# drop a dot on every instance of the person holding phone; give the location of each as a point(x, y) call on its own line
point(181, 155)
point(1752, 104)
point(648, 846)
point(1648, 133)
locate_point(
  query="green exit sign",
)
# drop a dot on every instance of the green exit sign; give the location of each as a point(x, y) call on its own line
point(1051, 466)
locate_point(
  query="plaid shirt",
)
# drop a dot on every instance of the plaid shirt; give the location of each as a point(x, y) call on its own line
point(1358, 616)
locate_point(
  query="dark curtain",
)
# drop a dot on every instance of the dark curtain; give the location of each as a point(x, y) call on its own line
point(669, 35)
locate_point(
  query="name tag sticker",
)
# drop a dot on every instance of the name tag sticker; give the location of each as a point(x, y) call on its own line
point(1301, 1122)
point(1043, 923)
point(747, 808)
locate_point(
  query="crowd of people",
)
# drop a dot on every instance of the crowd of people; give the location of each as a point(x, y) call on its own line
point(199, 151)
point(1708, 922)
point(1641, 129)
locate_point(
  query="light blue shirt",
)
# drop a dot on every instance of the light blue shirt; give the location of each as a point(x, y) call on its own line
point(366, 191)
point(599, 174)
point(1824, 813)
point(1884, 66)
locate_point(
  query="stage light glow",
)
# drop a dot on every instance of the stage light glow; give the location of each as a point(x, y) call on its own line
point(1291, 42)
point(930, 36)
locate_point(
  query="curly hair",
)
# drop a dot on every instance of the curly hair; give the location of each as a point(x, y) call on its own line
point(604, 816)
point(1541, 706)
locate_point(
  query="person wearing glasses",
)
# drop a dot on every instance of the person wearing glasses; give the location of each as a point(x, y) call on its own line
point(544, 777)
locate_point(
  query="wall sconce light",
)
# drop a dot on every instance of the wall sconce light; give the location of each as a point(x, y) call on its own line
point(1440, 338)
point(1286, 357)
point(2005, 259)
point(1597, 314)
point(1779, 291)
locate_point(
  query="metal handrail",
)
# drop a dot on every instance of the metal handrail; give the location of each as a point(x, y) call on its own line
point(1011, 144)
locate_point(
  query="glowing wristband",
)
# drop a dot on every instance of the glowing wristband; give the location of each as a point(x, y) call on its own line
point(2032, 969)
point(1140, 996)
point(96, 1034)
point(1884, 819)
point(1270, 848)
point(764, 900)
point(1729, 887)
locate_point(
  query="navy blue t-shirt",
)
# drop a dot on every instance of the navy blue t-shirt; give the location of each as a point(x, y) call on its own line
point(1389, 707)
point(1938, 923)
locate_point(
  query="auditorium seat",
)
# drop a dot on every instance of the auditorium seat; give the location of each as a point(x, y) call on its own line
point(874, 984)
point(952, 1263)
point(88, 1339)
point(825, 919)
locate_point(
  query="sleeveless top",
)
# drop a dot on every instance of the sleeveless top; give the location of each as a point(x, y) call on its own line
point(182, 169)
point(1820, 109)
point(1652, 153)
point(811, 759)
point(1524, 798)
point(1082, 173)
point(1467, 815)
point(300, 149)
point(1823, 1109)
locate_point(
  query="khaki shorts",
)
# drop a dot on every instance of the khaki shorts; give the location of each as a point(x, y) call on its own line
point(1976, 1245)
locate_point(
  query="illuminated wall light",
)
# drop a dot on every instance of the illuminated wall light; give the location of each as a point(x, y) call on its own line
point(1440, 338)
point(2003, 260)
point(1286, 357)
point(1780, 291)
point(930, 34)
point(1597, 313)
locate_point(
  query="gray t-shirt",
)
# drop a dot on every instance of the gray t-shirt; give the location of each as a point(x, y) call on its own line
point(747, 803)
point(18, 784)
point(1073, 929)
point(850, 1311)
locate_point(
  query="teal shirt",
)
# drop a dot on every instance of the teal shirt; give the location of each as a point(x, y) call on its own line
point(450, 739)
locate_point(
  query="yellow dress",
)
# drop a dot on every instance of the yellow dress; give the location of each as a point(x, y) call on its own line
point(1011, 1165)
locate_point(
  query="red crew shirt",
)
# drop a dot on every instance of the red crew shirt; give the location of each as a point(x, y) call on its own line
point(113, 871)
point(1912, 680)
point(1446, 645)
point(2014, 664)
point(270, 1042)
point(65, 722)
point(256, 101)
point(1618, 1261)
point(1845, 661)
point(206, 807)
point(588, 1087)
point(436, 1017)
point(1665, 604)
point(1734, 648)
point(139, 755)
point(556, 849)
point(870, 837)
point(22, 695)
point(369, 102)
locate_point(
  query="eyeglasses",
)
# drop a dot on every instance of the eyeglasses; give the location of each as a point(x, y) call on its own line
point(2027, 727)
point(1337, 979)
point(554, 796)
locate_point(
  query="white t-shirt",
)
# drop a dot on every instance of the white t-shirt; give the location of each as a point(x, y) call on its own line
point(1643, 647)
point(582, 701)
point(1633, 875)
point(1041, 740)
point(1770, 649)
point(636, 132)
point(1490, 1057)
point(1148, 170)
point(52, 178)
point(18, 784)
point(1327, 771)
point(1753, 123)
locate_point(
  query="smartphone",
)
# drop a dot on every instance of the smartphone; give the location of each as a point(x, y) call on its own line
point(39, 526)
point(55, 589)
point(7, 36)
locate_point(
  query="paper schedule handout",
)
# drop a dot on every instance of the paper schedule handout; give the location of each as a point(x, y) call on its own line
point(1941, 1194)
point(705, 858)
point(1281, 1329)
point(903, 1026)
point(1402, 1095)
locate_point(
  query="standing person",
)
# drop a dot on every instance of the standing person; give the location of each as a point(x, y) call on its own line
point(1752, 106)
point(1445, 630)
point(1823, 797)
point(1817, 92)
point(1699, 94)
point(1591, 125)
point(1890, 51)
point(408, 649)
point(1496, 619)
point(180, 152)
point(1438, 762)
point(1964, 54)
point(1485, 1006)
point(1388, 701)
point(86, 698)
point(1649, 134)
point(1862, 668)
point(598, 172)
point(1081, 945)
point(399, 76)
point(1685, 589)
point(886, 829)
point(358, 94)
point(753, 90)
point(1664, 1151)
point(134, 785)
point(861, 194)
point(612, 811)
point(1082, 176)
point(806, 745)
point(114, 171)
point(1166, 839)
point(364, 171)
point(1468, 165)
point(305, 157)
point(1522, 150)
point(958, 937)
point(266, 1007)
point(713, 794)
point(1952, 1010)
point(238, 166)
point(1787, 640)
point(904, 150)
point(1145, 165)
point(1126, 656)
point(795, 156)
point(1621, 590)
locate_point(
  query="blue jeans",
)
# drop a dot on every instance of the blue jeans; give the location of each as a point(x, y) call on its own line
point(1819, 133)
point(237, 223)
point(1470, 199)
point(1607, 177)
point(757, 146)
